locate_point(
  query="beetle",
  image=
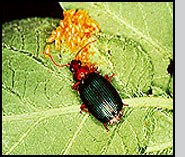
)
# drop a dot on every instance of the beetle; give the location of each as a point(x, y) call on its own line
point(98, 95)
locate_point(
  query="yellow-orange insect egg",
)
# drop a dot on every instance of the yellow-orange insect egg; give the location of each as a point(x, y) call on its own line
point(80, 17)
point(73, 19)
point(77, 28)
point(59, 32)
point(73, 30)
point(73, 11)
point(50, 39)
point(70, 25)
point(61, 24)
point(67, 43)
point(74, 38)
point(79, 25)
point(64, 13)
point(84, 38)
point(83, 57)
point(84, 12)
point(66, 35)
point(93, 24)
point(69, 38)
point(47, 50)
point(82, 30)
point(59, 28)
point(67, 29)
point(72, 46)
point(69, 33)
point(87, 30)
point(70, 16)
point(57, 44)
point(79, 12)
point(78, 39)
point(87, 22)
point(97, 29)
point(65, 23)
point(68, 21)
point(54, 32)
point(67, 13)
point(76, 17)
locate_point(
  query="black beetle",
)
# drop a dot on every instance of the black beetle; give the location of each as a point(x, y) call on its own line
point(97, 93)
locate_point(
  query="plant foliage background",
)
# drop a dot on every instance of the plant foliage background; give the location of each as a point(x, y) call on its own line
point(40, 111)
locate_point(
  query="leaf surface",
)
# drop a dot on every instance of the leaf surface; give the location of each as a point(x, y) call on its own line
point(40, 111)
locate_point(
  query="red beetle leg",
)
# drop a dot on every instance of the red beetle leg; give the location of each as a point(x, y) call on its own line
point(106, 127)
point(74, 87)
point(108, 78)
point(125, 105)
point(121, 113)
point(82, 108)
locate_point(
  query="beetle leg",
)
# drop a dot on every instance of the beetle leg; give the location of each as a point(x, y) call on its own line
point(106, 127)
point(121, 113)
point(74, 87)
point(82, 108)
point(125, 104)
point(108, 78)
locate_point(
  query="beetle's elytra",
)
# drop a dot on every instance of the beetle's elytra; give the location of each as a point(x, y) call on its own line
point(100, 97)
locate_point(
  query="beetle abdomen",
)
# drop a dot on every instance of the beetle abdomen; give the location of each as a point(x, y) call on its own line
point(100, 97)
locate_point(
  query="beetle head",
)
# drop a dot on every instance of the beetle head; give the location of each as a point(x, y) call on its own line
point(75, 65)
point(78, 70)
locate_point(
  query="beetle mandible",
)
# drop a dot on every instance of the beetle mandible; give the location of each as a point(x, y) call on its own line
point(98, 95)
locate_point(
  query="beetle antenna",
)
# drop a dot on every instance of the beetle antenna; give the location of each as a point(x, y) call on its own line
point(84, 47)
point(67, 65)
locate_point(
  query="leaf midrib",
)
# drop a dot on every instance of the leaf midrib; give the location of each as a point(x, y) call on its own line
point(41, 113)
point(134, 102)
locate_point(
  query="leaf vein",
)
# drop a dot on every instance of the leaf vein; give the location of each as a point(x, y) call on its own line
point(74, 136)
point(23, 136)
point(144, 19)
point(155, 43)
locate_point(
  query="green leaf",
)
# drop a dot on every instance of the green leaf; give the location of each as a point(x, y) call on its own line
point(40, 111)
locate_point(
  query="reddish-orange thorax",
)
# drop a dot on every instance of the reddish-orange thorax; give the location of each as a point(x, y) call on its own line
point(80, 71)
